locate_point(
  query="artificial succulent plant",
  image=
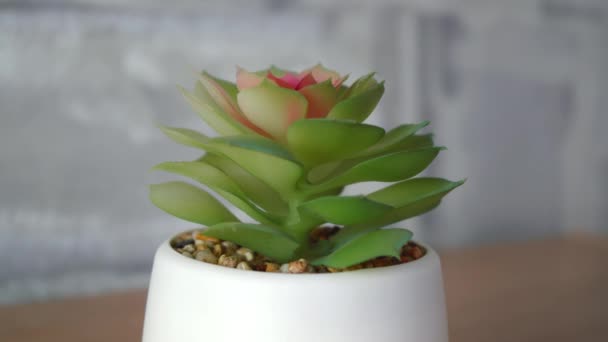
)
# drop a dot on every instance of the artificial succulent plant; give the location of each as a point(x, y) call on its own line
point(288, 144)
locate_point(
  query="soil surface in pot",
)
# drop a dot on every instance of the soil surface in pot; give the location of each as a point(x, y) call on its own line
point(196, 245)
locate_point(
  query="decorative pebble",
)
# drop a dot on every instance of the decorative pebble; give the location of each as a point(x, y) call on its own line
point(199, 236)
point(228, 260)
point(271, 267)
point(355, 267)
point(229, 245)
point(298, 266)
point(333, 270)
point(180, 243)
point(245, 253)
point(189, 248)
point(229, 254)
point(243, 266)
point(417, 252)
point(206, 256)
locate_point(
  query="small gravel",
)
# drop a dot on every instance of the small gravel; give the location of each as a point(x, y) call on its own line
point(206, 255)
point(197, 246)
point(243, 266)
point(228, 260)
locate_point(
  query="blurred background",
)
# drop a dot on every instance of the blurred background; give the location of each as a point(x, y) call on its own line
point(518, 91)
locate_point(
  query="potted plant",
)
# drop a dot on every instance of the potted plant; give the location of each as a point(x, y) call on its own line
point(316, 265)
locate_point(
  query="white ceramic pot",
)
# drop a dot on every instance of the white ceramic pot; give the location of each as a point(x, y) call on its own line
point(192, 301)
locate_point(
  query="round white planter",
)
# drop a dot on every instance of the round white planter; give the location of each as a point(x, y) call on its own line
point(192, 301)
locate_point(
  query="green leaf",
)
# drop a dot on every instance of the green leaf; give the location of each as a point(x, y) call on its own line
point(212, 114)
point(344, 210)
point(409, 198)
point(187, 137)
point(265, 240)
point(257, 143)
point(318, 173)
point(414, 142)
point(263, 158)
point(189, 203)
point(385, 168)
point(384, 242)
point(360, 85)
point(317, 141)
point(219, 182)
point(393, 138)
point(358, 107)
point(271, 166)
point(258, 191)
point(410, 191)
point(229, 87)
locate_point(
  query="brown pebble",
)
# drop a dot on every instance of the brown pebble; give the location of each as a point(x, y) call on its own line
point(186, 254)
point(217, 250)
point(189, 248)
point(355, 267)
point(228, 260)
point(199, 236)
point(334, 270)
point(206, 256)
point(406, 258)
point(229, 246)
point(298, 266)
point(383, 261)
point(271, 267)
point(202, 247)
point(245, 253)
point(368, 264)
point(417, 252)
point(320, 269)
point(243, 266)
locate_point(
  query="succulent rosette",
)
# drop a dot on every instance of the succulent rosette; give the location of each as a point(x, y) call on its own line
point(289, 143)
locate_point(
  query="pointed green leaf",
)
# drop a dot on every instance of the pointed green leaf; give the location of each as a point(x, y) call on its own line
point(344, 210)
point(261, 157)
point(187, 137)
point(202, 173)
point(257, 143)
point(219, 182)
point(189, 203)
point(409, 198)
point(410, 191)
point(212, 114)
point(414, 142)
point(384, 242)
point(268, 165)
point(318, 173)
point(248, 208)
point(265, 240)
point(358, 107)
point(317, 141)
point(385, 168)
point(360, 85)
point(229, 87)
point(258, 191)
point(393, 138)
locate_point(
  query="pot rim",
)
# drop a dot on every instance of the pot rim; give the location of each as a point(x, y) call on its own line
point(426, 262)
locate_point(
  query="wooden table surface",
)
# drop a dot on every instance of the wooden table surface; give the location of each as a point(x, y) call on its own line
point(551, 290)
